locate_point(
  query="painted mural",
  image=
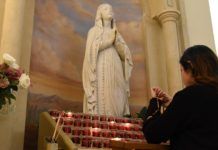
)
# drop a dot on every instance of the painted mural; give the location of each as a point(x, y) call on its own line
point(58, 47)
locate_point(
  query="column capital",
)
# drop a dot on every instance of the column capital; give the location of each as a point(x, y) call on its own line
point(168, 15)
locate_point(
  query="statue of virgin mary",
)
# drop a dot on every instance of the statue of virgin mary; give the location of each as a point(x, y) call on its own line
point(107, 67)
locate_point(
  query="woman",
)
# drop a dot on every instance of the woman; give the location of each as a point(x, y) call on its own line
point(190, 121)
point(107, 67)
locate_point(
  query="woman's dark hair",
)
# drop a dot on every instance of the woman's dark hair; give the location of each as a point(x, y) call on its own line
point(202, 62)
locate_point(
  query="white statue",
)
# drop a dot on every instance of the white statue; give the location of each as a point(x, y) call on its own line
point(107, 67)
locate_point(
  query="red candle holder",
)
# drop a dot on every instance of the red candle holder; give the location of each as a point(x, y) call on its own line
point(66, 129)
point(121, 134)
point(97, 143)
point(86, 116)
point(119, 120)
point(126, 120)
point(106, 143)
point(106, 133)
point(68, 114)
point(86, 132)
point(95, 117)
point(139, 122)
point(127, 135)
point(95, 124)
point(120, 127)
point(111, 118)
point(103, 118)
point(139, 135)
point(136, 128)
point(130, 135)
point(86, 142)
point(87, 123)
point(104, 125)
point(132, 121)
point(78, 115)
point(67, 121)
point(76, 131)
point(76, 139)
point(54, 113)
point(113, 134)
point(134, 135)
point(96, 132)
point(77, 123)
point(112, 125)
point(127, 126)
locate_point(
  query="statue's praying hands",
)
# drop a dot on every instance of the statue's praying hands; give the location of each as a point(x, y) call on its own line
point(109, 36)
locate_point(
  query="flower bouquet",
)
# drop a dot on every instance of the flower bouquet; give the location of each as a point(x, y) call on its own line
point(11, 77)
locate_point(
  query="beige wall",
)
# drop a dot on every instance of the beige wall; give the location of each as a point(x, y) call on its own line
point(162, 41)
point(155, 64)
point(16, 27)
point(2, 8)
point(196, 20)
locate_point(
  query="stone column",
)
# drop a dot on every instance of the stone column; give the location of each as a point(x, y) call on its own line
point(168, 20)
point(12, 131)
point(12, 28)
point(2, 9)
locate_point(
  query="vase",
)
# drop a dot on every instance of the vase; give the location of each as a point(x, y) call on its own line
point(51, 146)
point(7, 108)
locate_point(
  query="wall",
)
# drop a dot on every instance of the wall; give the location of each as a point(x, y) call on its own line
point(2, 8)
point(196, 21)
point(154, 46)
point(16, 19)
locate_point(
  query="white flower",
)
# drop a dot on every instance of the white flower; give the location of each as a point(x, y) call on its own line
point(24, 81)
point(8, 59)
point(15, 66)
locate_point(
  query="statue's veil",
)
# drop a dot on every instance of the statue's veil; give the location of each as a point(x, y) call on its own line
point(98, 18)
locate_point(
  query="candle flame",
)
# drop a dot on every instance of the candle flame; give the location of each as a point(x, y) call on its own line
point(116, 139)
point(112, 122)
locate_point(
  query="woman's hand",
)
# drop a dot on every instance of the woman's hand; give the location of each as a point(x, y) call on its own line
point(108, 38)
point(161, 95)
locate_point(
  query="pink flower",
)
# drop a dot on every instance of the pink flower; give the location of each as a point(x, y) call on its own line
point(13, 74)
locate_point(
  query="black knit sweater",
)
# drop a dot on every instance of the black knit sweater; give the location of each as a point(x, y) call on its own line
point(190, 122)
